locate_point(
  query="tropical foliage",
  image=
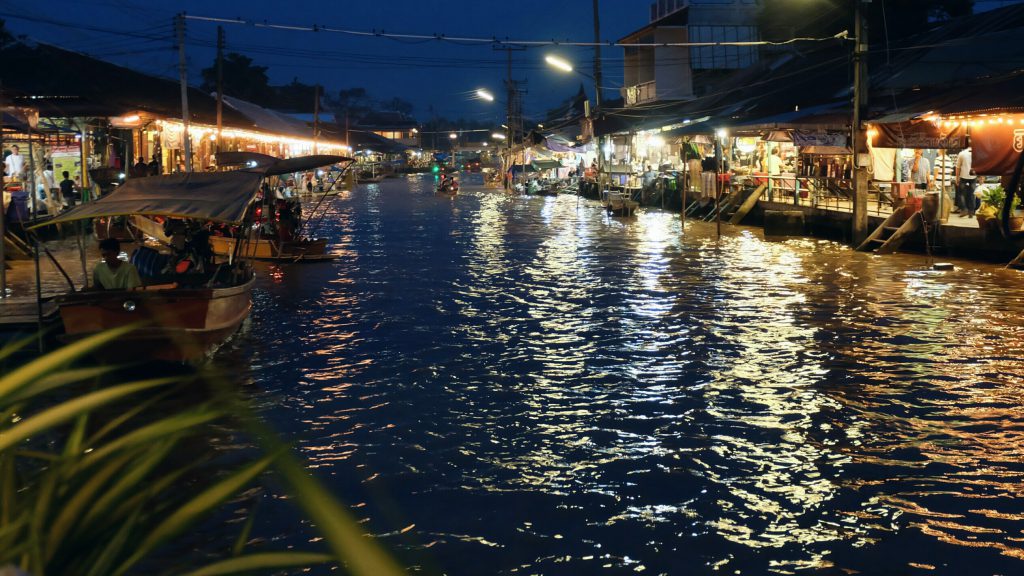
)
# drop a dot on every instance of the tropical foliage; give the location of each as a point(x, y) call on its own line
point(102, 478)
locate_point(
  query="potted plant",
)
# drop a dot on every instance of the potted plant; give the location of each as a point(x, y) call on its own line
point(984, 214)
point(993, 198)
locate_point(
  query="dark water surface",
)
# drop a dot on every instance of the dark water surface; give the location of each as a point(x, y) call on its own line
point(514, 385)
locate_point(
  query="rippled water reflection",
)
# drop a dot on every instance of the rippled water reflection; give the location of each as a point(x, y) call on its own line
point(505, 385)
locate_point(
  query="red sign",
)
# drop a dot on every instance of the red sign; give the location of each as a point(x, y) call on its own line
point(996, 146)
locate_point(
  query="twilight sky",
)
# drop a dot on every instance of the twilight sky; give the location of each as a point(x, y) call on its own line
point(429, 74)
point(434, 76)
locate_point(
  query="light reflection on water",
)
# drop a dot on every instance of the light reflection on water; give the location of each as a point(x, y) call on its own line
point(538, 388)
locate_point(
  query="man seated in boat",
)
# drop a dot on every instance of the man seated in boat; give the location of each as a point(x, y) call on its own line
point(286, 222)
point(113, 273)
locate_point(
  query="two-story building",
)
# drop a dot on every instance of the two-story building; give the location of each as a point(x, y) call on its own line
point(666, 73)
point(391, 125)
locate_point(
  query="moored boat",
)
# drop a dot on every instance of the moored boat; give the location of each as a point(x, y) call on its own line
point(189, 303)
point(176, 324)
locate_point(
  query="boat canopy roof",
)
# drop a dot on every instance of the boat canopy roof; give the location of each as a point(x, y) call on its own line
point(214, 196)
point(272, 166)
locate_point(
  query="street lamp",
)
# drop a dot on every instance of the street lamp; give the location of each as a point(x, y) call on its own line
point(559, 63)
point(565, 66)
point(484, 95)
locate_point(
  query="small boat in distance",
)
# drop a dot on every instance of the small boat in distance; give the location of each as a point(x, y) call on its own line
point(448, 185)
point(618, 205)
point(371, 173)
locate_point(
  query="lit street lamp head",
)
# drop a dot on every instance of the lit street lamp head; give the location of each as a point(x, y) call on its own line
point(558, 63)
point(484, 95)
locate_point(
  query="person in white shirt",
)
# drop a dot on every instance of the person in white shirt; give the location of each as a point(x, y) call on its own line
point(14, 164)
point(774, 163)
point(49, 191)
point(966, 182)
point(918, 170)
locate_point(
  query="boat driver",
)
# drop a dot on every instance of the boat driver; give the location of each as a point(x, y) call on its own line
point(112, 273)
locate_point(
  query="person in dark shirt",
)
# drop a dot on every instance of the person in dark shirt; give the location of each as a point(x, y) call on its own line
point(141, 169)
point(67, 189)
point(154, 166)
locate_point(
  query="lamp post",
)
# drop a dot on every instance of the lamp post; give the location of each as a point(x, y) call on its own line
point(565, 66)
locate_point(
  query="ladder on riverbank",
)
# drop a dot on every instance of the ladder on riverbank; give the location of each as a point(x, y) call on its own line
point(888, 237)
point(747, 204)
point(15, 248)
point(708, 211)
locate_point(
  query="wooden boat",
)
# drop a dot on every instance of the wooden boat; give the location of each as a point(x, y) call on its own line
point(260, 246)
point(256, 248)
point(177, 324)
point(448, 186)
point(541, 188)
point(182, 317)
point(266, 249)
point(617, 205)
point(373, 175)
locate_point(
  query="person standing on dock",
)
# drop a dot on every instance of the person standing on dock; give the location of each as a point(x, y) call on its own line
point(774, 163)
point(154, 166)
point(14, 164)
point(966, 182)
point(919, 170)
point(67, 189)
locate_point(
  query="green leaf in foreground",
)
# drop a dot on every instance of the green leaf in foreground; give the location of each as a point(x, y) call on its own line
point(263, 561)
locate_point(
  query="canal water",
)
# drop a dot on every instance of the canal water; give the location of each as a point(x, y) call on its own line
point(521, 385)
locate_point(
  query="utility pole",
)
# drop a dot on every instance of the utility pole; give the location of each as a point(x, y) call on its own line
point(860, 147)
point(509, 133)
point(179, 23)
point(597, 89)
point(220, 82)
point(597, 54)
point(514, 106)
point(316, 116)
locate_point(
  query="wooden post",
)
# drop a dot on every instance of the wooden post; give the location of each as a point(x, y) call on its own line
point(179, 23)
point(718, 185)
point(316, 116)
point(220, 83)
point(3, 207)
point(684, 186)
point(860, 149)
point(32, 172)
point(39, 296)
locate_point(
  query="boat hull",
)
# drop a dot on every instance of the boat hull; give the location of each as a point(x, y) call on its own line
point(264, 249)
point(176, 324)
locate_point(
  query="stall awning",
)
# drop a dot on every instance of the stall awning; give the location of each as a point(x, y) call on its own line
point(556, 143)
point(213, 196)
point(541, 165)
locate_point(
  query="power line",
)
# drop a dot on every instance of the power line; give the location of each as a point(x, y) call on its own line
point(493, 40)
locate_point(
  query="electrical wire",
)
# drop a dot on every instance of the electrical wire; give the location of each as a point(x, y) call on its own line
point(492, 40)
